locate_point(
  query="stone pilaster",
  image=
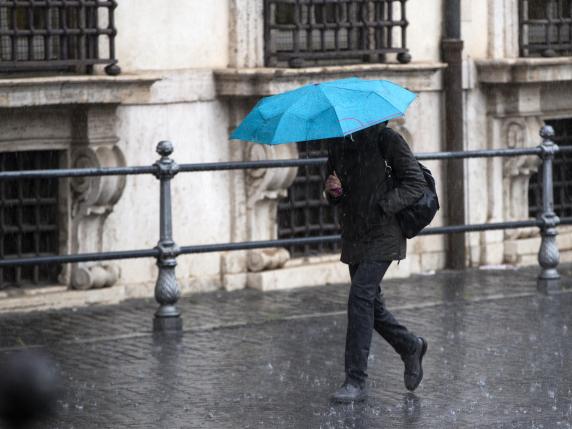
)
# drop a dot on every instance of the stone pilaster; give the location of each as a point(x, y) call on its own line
point(503, 28)
point(246, 33)
point(234, 264)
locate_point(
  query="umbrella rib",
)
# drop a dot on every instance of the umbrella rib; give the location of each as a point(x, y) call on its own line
point(386, 118)
point(367, 123)
point(370, 91)
point(335, 111)
point(382, 97)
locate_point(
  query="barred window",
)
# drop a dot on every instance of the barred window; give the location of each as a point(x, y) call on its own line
point(320, 32)
point(28, 218)
point(56, 35)
point(545, 28)
point(562, 174)
point(305, 213)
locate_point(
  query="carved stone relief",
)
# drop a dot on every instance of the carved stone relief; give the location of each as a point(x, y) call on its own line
point(94, 146)
point(519, 133)
point(264, 188)
point(254, 202)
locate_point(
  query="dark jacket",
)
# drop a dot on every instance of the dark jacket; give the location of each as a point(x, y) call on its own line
point(369, 202)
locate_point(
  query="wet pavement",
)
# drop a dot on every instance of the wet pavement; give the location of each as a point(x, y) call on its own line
point(500, 356)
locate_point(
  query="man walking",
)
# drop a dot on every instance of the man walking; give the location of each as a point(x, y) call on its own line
point(361, 171)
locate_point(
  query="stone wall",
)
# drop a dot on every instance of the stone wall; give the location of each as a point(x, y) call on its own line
point(181, 35)
point(191, 72)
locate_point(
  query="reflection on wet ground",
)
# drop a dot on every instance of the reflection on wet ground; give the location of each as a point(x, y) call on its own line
point(500, 355)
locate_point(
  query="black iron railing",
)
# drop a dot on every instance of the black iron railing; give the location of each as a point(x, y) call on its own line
point(167, 291)
point(57, 35)
point(300, 33)
point(545, 28)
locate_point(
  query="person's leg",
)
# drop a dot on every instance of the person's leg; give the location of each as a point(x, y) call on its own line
point(366, 277)
point(398, 336)
point(410, 347)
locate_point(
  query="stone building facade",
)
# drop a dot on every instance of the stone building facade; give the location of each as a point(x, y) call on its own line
point(189, 74)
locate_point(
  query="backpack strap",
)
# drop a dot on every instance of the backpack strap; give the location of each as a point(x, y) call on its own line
point(388, 166)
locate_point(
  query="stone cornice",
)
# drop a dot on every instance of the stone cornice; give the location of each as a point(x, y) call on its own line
point(62, 90)
point(524, 70)
point(257, 82)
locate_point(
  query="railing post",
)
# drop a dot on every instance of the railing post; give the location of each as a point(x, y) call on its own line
point(167, 291)
point(548, 255)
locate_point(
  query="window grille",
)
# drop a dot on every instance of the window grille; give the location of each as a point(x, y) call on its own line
point(28, 218)
point(321, 32)
point(57, 35)
point(545, 28)
point(305, 212)
point(562, 174)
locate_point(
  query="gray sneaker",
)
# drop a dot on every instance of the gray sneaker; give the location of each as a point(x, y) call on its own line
point(349, 392)
point(413, 370)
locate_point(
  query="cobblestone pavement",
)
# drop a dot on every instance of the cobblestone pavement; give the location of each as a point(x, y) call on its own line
point(500, 355)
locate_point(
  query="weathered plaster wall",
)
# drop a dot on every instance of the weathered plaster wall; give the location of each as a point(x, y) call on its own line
point(178, 34)
point(424, 31)
point(198, 130)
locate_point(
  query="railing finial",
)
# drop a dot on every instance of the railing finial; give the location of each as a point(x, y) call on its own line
point(165, 148)
point(547, 133)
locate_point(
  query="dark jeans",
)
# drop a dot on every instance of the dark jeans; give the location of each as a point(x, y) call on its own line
point(366, 312)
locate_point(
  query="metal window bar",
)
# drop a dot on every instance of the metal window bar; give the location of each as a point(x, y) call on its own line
point(300, 33)
point(562, 180)
point(57, 35)
point(28, 219)
point(304, 212)
point(167, 291)
point(545, 28)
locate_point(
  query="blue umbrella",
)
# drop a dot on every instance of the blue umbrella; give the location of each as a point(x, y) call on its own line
point(319, 111)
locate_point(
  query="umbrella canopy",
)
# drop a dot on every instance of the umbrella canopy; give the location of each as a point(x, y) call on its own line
point(319, 111)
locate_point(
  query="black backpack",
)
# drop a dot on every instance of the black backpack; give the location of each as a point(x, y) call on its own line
point(412, 219)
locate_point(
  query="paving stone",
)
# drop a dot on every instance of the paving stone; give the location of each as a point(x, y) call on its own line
point(500, 356)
